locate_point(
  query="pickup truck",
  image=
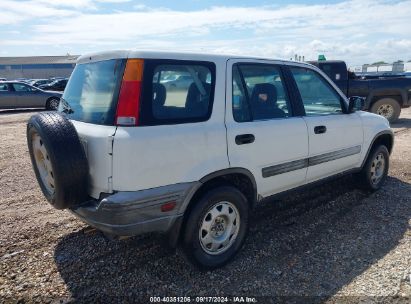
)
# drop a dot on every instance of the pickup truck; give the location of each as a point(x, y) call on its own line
point(385, 96)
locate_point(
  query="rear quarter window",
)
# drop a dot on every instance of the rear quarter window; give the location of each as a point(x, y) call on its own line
point(176, 92)
point(92, 91)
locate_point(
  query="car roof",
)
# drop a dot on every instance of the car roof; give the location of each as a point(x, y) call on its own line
point(146, 54)
point(16, 81)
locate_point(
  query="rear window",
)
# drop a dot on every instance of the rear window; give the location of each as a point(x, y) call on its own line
point(91, 93)
point(177, 91)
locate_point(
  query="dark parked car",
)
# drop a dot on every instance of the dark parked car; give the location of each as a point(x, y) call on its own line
point(39, 82)
point(25, 80)
point(57, 85)
point(384, 96)
point(178, 82)
point(56, 78)
point(21, 95)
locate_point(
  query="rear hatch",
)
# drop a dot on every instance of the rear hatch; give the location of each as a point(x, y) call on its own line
point(90, 101)
point(107, 98)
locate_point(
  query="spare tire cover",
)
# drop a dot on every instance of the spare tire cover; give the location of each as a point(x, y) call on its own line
point(58, 159)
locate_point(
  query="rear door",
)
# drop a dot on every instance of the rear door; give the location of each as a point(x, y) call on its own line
point(335, 138)
point(7, 96)
point(89, 101)
point(264, 132)
point(358, 87)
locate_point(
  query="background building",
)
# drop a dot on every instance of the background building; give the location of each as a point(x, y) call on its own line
point(37, 67)
point(382, 67)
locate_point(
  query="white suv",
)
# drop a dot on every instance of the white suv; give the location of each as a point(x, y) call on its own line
point(134, 150)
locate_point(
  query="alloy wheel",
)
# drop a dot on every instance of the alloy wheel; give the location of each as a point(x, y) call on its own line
point(54, 104)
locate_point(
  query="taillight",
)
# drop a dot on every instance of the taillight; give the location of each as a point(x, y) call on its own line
point(128, 106)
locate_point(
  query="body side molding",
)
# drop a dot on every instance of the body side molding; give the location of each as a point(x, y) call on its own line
point(310, 161)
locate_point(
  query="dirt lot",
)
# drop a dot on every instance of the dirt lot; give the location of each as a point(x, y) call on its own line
point(334, 243)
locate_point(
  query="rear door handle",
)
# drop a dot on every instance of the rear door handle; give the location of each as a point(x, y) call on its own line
point(320, 129)
point(244, 139)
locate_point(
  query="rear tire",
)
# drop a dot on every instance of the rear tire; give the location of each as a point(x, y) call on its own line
point(58, 159)
point(375, 170)
point(388, 108)
point(52, 104)
point(216, 227)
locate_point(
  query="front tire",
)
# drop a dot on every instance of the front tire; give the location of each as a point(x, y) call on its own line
point(216, 227)
point(375, 170)
point(388, 108)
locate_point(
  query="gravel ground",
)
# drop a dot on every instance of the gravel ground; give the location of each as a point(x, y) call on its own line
point(334, 243)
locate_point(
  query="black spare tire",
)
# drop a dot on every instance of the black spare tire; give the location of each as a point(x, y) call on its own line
point(58, 159)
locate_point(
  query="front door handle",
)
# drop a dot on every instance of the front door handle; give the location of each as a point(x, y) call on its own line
point(320, 129)
point(244, 139)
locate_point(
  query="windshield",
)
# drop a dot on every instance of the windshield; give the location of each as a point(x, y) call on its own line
point(92, 90)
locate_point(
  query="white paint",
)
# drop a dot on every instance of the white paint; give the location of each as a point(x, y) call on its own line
point(152, 156)
point(407, 67)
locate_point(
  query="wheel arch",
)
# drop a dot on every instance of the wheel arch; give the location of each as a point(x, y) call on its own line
point(230, 175)
point(50, 98)
point(386, 138)
point(240, 178)
point(397, 95)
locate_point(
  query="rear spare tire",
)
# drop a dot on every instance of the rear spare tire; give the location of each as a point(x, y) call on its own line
point(58, 159)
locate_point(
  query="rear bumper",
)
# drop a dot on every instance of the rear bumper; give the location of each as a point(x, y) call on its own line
point(139, 212)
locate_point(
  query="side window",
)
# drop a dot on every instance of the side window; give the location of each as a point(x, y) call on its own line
point(328, 69)
point(317, 95)
point(241, 108)
point(259, 93)
point(180, 93)
point(4, 87)
point(19, 87)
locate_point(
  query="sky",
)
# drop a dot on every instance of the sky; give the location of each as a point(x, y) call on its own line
point(355, 31)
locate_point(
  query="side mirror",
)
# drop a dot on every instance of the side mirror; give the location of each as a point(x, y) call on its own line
point(356, 103)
